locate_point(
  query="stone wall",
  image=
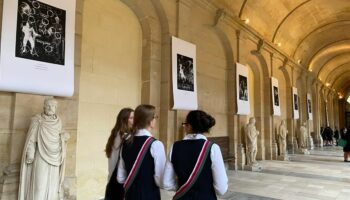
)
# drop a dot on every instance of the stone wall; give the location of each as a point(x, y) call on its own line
point(123, 58)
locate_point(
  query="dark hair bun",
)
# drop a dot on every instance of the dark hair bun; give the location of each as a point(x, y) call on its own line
point(200, 121)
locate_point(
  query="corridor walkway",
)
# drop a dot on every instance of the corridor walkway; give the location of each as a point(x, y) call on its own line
point(320, 175)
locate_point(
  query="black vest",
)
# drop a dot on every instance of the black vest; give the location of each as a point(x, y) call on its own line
point(184, 157)
point(144, 186)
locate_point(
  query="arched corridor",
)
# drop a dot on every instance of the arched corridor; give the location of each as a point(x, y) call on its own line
point(123, 58)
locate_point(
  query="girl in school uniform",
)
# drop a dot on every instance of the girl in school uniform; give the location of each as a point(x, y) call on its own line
point(123, 125)
point(143, 158)
point(195, 167)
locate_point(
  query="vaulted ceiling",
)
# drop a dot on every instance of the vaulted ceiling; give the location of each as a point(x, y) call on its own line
point(314, 32)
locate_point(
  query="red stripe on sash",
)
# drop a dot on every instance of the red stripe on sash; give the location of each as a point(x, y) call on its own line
point(137, 164)
point(196, 170)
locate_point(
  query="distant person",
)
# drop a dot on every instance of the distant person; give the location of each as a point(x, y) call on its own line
point(345, 135)
point(143, 158)
point(120, 131)
point(195, 167)
point(336, 135)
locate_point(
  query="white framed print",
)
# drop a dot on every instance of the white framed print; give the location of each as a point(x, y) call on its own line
point(242, 83)
point(295, 103)
point(184, 75)
point(37, 47)
point(275, 97)
point(309, 106)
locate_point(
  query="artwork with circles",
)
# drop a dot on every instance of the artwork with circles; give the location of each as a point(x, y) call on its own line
point(40, 32)
point(37, 47)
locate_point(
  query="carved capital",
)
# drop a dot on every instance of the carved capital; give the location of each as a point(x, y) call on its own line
point(220, 14)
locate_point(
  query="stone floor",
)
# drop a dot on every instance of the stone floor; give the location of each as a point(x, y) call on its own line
point(320, 175)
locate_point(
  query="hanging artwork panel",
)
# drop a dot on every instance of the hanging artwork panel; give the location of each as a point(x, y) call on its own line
point(295, 103)
point(243, 106)
point(275, 97)
point(184, 75)
point(309, 106)
point(37, 47)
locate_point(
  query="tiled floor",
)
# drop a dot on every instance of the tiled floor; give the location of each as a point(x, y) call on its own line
point(320, 175)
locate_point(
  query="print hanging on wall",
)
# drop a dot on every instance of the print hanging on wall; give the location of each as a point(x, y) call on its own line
point(275, 97)
point(295, 103)
point(37, 47)
point(184, 75)
point(309, 106)
point(243, 106)
point(40, 33)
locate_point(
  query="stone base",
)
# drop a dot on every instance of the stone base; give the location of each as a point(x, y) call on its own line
point(254, 168)
point(9, 183)
point(311, 143)
point(304, 151)
point(283, 158)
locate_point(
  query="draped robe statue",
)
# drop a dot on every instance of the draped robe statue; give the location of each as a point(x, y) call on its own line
point(282, 137)
point(303, 136)
point(43, 159)
point(252, 139)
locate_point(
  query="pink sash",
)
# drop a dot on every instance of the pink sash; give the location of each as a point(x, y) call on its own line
point(203, 155)
point(137, 164)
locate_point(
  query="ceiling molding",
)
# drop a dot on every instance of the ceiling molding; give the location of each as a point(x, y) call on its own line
point(330, 59)
point(335, 83)
point(330, 75)
point(285, 18)
point(242, 8)
point(325, 47)
point(342, 22)
point(333, 70)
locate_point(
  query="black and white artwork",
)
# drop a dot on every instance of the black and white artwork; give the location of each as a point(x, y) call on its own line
point(37, 47)
point(41, 32)
point(309, 106)
point(243, 88)
point(183, 59)
point(295, 102)
point(185, 78)
point(275, 96)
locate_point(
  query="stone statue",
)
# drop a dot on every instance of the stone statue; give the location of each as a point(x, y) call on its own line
point(44, 154)
point(282, 138)
point(303, 136)
point(252, 139)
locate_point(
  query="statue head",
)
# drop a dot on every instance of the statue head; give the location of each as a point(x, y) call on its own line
point(283, 122)
point(304, 123)
point(252, 120)
point(50, 106)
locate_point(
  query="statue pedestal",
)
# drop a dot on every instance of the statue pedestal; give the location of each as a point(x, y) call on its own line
point(254, 167)
point(9, 183)
point(311, 143)
point(283, 157)
point(304, 151)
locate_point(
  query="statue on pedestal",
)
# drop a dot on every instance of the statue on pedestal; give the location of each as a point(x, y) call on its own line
point(282, 138)
point(44, 155)
point(252, 139)
point(303, 136)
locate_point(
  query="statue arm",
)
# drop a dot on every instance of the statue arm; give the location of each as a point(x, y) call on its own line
point(31, 145)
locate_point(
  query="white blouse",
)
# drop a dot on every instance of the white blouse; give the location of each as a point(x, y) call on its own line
point(112, 160)
point(158, 154)
point(217, 167)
